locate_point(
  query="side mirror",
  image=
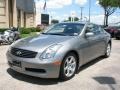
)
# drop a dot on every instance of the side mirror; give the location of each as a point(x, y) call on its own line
point(105, 29)
point(89, 34)
point(90, 26)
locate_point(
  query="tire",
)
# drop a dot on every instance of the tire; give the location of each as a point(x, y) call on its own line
point(117, 38)
point(68, 67)
point(108, 51)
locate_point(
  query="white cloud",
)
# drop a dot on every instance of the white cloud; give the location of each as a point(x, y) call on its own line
point(53, 3)
point(114, 19)
point(97, 3)
point(65, 17)
point(50, 4)
point(81, 2)
point(52, 13)
point(73, 13)
point(98, 19)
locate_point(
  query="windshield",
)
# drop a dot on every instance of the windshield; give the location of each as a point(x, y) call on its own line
point(65, 29)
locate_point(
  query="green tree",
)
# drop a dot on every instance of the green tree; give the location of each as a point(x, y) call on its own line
point(69, 18)
point(54, 21)
point(75, 18)
point(109, 9)
point(115, 3)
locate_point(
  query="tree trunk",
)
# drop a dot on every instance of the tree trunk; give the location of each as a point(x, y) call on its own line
point(104, 16)
point(106, 20)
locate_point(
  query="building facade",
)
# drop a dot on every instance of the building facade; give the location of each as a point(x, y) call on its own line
point(14, 13)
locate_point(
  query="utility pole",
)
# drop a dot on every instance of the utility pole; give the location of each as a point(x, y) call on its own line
point(85, 18)
point(81, 8)
point(89, 9)
point(72, 16)
point(51, 20)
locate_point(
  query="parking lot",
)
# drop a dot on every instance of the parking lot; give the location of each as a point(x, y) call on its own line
point(100, 74)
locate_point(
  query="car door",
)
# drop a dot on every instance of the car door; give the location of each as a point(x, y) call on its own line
point(96, 42)
point(85, 47)
point(84, 50)
point(102, 41)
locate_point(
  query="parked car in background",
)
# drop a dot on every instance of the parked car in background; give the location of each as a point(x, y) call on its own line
point(9, 36)
point(60, 50)
point(117, 33)
point(111, 30)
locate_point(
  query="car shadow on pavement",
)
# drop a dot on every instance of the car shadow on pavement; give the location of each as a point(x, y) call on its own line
point(110, 81)
point(31, 79)
point(90, 64)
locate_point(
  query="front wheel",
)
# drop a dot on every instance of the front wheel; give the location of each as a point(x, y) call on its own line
point(68, 67)
point(117, 38)
point(108, 51)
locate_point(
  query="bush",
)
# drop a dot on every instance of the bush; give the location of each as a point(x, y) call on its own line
point(33, 29)
point(3, 29)
point(25, 30)
point(38, 29)
point(29, 30)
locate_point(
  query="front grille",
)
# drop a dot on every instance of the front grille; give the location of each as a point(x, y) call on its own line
point(23, 53)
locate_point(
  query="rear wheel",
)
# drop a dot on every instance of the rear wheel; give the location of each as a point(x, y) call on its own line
point(108, 51)
point(68, 67)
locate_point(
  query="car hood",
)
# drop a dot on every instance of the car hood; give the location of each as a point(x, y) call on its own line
point(41, 42)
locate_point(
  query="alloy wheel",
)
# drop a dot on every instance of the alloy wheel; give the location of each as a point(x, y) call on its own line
point(69, 66)
point(108, 50)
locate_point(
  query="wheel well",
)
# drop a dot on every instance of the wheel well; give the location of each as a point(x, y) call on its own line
point(110, 42)
point(77, 55)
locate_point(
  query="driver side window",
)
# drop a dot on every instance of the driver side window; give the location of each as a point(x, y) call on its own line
point(90, 28)
point(93, 28)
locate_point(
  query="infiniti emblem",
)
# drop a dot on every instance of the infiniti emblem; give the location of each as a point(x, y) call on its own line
point(18, 52)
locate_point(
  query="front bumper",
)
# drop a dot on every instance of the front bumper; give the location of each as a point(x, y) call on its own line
point(34, 67)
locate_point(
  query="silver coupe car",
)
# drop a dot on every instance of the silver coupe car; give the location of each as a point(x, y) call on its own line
point(60, 50)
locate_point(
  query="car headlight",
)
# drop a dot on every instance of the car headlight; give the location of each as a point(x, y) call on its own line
point(50, 51)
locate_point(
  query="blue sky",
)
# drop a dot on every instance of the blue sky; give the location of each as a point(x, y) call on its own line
point(76, 7)
point(62, 9)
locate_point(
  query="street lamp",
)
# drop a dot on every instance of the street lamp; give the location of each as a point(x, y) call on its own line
point(81, 13)
point(73, 14)
point(89, 9)
point(85, 18)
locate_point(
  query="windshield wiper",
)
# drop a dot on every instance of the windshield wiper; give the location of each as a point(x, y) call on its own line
point(45, 33)
point(58, 34)
point(62, 34)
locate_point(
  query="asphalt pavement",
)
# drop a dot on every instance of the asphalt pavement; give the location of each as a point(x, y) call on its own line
point(100, 74)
